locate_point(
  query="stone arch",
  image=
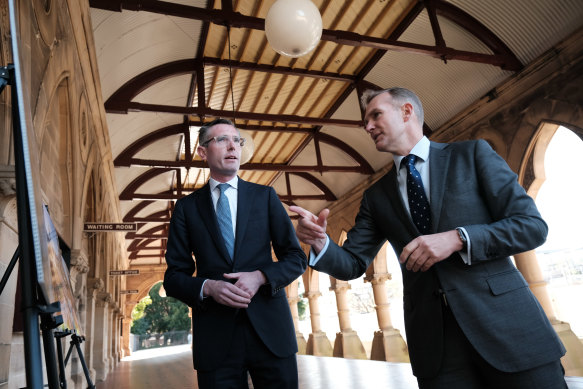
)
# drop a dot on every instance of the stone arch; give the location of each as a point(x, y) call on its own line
point(56, 158)
point(142, 283)
point(540, 123)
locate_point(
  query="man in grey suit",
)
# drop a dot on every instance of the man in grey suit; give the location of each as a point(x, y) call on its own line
point(470, 318)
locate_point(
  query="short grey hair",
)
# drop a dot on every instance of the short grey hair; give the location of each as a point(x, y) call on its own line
point(400, 96)
point(203, 131)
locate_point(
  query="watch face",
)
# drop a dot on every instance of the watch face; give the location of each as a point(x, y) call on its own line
point(462, 236)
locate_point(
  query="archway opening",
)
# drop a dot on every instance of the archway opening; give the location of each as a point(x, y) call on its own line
point(159, 321)
point(559, 202)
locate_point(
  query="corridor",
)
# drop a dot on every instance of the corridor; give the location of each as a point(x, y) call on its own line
point(171, 367)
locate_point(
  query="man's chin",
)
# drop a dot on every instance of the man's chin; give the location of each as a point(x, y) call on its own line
point(231, 170)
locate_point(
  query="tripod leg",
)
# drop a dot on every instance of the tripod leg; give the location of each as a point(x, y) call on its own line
point(62, 378)
point(9, 270)
point(77, 343)
point(69, 353)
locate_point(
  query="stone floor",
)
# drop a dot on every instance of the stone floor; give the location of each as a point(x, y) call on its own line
point(171, 368)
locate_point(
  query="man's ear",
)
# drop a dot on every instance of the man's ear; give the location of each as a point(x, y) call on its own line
point(407, 111)
point(201, 152)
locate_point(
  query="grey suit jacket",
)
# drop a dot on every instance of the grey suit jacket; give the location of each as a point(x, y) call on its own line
point(471, 187)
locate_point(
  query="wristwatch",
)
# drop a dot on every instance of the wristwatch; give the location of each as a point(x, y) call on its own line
point(462, 236)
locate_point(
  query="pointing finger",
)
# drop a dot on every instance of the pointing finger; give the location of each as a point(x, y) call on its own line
point(302, 212)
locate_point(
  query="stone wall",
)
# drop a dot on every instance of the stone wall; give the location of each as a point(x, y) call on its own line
point(70, 151)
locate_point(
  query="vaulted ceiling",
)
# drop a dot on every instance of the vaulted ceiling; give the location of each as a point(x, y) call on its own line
point(166, 67)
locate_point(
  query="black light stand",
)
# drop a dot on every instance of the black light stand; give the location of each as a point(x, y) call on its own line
point(31, 304)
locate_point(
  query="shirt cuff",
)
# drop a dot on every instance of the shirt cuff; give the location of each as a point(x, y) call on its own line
point(201, 296)
point(467, 254)
point(315, 258)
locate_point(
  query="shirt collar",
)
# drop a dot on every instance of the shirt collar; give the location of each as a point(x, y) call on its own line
point(233, 182)
point(421, 150)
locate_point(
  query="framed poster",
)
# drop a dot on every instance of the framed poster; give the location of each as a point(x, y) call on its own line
point(60, 281)
point(30, 173)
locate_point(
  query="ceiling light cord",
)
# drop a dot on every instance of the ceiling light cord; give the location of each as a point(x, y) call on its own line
point(231, 73)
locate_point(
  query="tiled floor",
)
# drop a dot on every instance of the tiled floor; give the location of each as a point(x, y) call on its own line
point(171, 368)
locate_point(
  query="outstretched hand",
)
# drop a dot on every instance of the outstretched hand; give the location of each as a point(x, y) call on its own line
point(311, 229)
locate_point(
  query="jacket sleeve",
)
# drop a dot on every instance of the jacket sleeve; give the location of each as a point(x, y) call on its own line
point(364, 240)
point(178, 279)
point(291, 259)
point(516, 224)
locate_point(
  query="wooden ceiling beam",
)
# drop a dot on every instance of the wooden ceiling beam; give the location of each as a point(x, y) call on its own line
point(125, 158)
point(348, 38)
point(137, 244)
point(130, 106)
point(276, 167)
point(136, 256)
point(144, 80)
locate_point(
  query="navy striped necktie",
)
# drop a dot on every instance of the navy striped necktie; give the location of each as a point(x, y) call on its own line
point(418, 203)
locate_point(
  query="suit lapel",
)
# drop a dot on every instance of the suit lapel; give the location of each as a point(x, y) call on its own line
point(206, 209)
point(439, 164)
point(244, 196)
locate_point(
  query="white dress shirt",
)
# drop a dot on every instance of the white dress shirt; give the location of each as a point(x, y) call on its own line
point(421, 150)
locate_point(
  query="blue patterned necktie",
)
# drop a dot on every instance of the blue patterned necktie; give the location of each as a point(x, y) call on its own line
point(418, 204)
point(224, 219)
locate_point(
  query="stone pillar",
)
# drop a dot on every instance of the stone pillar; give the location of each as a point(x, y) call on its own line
point(95, 286)
point(528, 265)
point(126, 327)
point(347, 343)
point(113, 341)
point(8, 244)
point(318, 343)
point(293, 298)
point(388, 344)
point(101, 336)
point(78, 276)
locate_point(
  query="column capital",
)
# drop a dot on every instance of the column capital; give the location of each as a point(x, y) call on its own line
point(378, 278)
point(79, 261)
point(104, 299)
point(7, 180)
point(340, 287)
point(95, 285)
point(311, 295)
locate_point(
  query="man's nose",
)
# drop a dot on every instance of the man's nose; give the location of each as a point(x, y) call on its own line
point(368, 126)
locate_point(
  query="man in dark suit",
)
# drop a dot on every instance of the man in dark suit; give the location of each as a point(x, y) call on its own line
point(241, 318)
point(470, 318)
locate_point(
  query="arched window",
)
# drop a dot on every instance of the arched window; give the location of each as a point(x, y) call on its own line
point(559, 201)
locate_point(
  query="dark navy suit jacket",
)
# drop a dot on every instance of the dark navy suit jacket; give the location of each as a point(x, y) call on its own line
point(196, 244)
point(471, 187)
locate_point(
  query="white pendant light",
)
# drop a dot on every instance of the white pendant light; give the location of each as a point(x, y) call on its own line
point(293, 27)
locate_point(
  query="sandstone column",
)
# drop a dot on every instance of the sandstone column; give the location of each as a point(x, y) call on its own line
point(95, 286)
point(78, 276)
point(528, 265)
point(101, 334)
point(347, 343)
point(293, 298)
point(318, 343)
point(388, 344)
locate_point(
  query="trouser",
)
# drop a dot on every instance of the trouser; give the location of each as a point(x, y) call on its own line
point(248, 355)
point(463, 368)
